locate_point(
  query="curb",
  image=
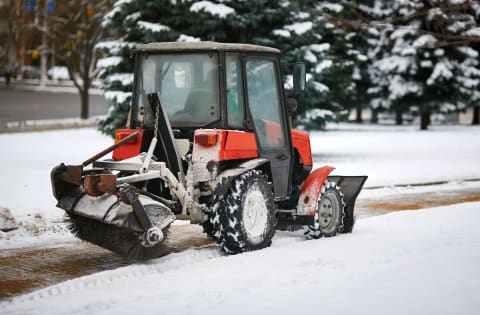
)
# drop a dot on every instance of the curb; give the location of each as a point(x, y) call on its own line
point(50, 87)
point(47, 125)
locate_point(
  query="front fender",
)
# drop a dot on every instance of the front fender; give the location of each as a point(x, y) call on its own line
point(311, 188)
point(225, 178)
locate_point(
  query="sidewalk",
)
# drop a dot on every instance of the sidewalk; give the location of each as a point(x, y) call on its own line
point(61, 86)
point(48, 124)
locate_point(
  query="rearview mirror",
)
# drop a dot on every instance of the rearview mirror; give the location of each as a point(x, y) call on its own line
point(299, 77)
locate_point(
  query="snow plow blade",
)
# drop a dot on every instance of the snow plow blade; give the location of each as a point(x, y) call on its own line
point(128, 223)
point(351, 187)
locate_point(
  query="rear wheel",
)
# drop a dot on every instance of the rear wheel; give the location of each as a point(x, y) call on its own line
point(330, 212)
point(246, 214)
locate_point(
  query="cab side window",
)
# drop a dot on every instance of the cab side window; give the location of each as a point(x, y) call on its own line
point(264, 103)
point(235, 107)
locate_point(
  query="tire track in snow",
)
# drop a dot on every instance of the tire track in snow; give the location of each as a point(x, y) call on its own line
point(136, 271)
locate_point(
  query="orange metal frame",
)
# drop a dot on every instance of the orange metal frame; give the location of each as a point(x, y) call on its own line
point(235, 145)
point(129, 149)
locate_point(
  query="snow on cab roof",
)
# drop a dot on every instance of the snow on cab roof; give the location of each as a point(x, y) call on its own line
point(192, 46)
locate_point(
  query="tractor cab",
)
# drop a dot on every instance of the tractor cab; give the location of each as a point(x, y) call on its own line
point(208, 85)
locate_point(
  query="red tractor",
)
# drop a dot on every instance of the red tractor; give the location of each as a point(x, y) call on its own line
point(209, 138)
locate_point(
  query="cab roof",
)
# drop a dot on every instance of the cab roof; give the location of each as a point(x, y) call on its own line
point(203, 46)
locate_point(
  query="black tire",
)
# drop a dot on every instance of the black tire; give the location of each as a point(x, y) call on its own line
point(208, 227)
point(239, 226)
point(212, 226)
point(330, 214)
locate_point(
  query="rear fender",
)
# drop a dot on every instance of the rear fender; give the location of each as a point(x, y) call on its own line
point(225, 178)
point(311, 188)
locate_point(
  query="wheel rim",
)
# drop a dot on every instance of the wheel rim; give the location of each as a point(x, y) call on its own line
point(255, 214)
point(328, 212)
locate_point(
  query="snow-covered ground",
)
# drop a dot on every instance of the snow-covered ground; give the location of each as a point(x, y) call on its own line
point(412, 262)
point(418, 262)
point(25, 189)
point(392, 155)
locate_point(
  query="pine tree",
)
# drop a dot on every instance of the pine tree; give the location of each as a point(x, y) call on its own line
point(134, 22)
point(426, 64)
point(302, 39)
point(348, 77)
point(130, 23)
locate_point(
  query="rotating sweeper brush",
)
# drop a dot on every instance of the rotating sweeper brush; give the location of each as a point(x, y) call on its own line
point(219, 151)
point(105, 207)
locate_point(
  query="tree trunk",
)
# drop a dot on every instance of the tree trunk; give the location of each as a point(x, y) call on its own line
point(358, 111)
point(398, 117)
point(374, 119)
point(476, 115)
point(424, 119)
point(84, 103)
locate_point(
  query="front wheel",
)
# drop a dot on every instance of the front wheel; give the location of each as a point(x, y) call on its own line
point(247, 214)
point(330, 212)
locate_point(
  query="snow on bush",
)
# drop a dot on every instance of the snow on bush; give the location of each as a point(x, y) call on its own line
point(133, 17)
point(320, 87)
point(300, 27)
point(186, 38)
point(315, 118)
point(424, 40)
point(331, 6)
point(320, 47)
point(124, 78)
point(153, 27)
point(117, 8)
point(442, 70)
point(399, 87)
point(109, 61)
point(282, 33)
point(118, 96)
point(394, 64)
point(324, 64)
point(468, 51)
point(113, 46)
point(310, 57)
point(220, 10)
point(474, 32)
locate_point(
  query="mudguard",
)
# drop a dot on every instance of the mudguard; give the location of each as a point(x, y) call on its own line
point(307, 201)
point(225, 178)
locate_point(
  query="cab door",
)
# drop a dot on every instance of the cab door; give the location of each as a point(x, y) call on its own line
point(267, 114)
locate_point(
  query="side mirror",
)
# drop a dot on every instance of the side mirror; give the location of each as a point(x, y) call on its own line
point(299, 77)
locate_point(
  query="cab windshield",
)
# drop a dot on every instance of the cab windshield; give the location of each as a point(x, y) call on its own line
point(187, 85)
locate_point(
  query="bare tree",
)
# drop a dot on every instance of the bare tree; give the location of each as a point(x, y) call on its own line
point(76, 31)
point(10, 13)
